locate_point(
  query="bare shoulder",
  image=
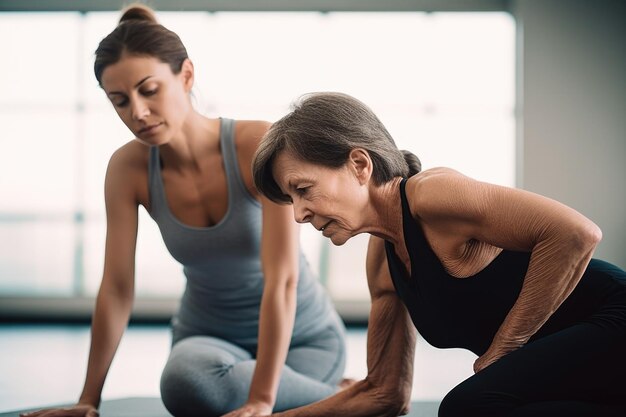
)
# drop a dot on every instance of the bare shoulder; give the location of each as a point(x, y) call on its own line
point(433, 178)
point(248, 134)
point(437, 189)
point(130, 156)
point(127, 171)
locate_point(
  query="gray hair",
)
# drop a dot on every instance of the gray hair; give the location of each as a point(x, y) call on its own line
point(323, 128)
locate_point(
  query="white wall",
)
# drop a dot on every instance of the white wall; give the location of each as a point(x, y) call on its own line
point(572, 91)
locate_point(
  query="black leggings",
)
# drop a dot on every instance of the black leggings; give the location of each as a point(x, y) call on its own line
point(577, 371)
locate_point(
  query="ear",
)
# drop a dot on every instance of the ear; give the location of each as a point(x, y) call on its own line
point(187, 74)
point(360, 162)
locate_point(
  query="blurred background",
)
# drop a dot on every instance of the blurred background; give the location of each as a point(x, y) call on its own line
point(523, 93)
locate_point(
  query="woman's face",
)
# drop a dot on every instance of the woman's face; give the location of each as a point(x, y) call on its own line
point(150, 99)
point(331, 199)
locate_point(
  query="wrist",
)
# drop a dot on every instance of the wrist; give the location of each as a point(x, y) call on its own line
point(90, 401)
point(263, 400)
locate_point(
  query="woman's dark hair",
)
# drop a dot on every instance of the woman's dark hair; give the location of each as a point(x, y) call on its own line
point(139, 33)
point(323, 128)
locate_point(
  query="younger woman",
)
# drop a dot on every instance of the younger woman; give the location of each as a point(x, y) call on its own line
point(255, 331)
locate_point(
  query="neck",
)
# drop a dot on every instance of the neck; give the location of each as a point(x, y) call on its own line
point(385, 214)
point(185, 150)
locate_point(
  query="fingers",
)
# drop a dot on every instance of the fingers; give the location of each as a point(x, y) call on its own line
point(38, 413)
point(77, 411)
point(243, 412)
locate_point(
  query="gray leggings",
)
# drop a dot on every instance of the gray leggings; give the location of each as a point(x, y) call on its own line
point(208, 376)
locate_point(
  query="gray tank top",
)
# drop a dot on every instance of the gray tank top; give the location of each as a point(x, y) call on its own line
point(222, 263)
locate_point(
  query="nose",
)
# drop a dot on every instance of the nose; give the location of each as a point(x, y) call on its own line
point(139, 109)
point(300, 213)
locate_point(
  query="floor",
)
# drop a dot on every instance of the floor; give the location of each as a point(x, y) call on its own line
point(45, 364)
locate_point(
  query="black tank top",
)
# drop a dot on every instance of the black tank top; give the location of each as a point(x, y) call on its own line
point(467, 312)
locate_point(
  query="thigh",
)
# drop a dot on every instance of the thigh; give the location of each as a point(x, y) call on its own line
point(322, 356)
point(202, 352)
point(583, 363)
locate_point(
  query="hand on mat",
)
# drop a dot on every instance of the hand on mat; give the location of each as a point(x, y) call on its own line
point(79, 410)
point(256, 409)
point(346, 383)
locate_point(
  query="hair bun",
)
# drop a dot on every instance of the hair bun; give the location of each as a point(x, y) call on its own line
point(138, 11)
point(413, 162)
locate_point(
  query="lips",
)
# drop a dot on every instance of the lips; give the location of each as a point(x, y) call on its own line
point(149, 129)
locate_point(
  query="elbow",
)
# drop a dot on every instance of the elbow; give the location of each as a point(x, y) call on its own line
point(589, 236)
point(392, 401)
point(291, 283)
point(288, 285)
point(401, 403)
point(397, 404)
point(118, 287)
point(282, 288)
point(596, 234)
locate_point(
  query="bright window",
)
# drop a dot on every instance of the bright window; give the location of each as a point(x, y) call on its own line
point(443, 84)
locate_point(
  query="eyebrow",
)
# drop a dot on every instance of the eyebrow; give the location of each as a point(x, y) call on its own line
point(292, 186)
point(136, 85)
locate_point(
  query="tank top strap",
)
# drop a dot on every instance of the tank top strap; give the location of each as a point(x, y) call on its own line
point(236, 187)
point(155, 185)
point(418, 247)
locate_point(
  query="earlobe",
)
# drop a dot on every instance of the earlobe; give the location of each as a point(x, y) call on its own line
point(362, 164)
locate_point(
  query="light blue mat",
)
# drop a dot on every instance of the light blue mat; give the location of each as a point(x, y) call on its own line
point(153, 407)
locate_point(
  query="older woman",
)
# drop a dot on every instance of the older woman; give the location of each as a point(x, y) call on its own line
point(503, 272)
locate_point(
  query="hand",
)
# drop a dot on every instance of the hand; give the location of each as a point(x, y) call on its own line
point(493, 354)
point(484, 361)
point(345, 383)
point(251, 409)
point(78, 410)
point(499, 348)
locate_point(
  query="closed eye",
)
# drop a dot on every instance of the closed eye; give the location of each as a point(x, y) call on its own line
point(301, 190)
point(120, 103)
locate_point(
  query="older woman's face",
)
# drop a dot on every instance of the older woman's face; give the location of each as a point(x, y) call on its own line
point(331, 199)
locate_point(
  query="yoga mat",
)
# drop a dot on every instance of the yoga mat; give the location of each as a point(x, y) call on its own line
point(153, 407)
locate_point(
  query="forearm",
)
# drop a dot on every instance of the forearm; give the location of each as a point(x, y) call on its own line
point(110, 318)
point(390, 348)
point(360, 400)
point(277, 316)
point(555, 269)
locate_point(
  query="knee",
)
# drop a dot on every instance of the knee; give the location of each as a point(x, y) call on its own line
point(465, 400)
point(180, 393)
point(455, 403)
point(195, 386)
point(471, 400)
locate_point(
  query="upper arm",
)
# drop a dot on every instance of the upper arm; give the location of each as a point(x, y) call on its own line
point(122, 219)
point(248, 135)
point(391, 335)
point(280, 237)
point(505, 217)
point(279, 244)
